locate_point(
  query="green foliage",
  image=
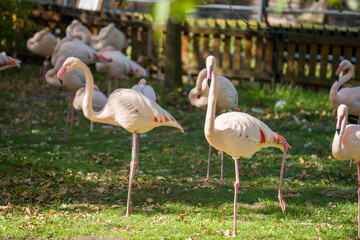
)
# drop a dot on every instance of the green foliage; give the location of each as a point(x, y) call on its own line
point(14, 15)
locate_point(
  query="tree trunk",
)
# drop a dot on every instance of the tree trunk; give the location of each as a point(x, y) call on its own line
point(173, 65)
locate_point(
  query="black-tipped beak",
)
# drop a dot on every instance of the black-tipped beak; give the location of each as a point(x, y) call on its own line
point(61, 81)
point(338, 131)
point(209, 82)
point(337, 78)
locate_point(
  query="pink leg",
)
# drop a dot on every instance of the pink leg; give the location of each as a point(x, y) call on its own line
point(72, 96)
point(138, 144)
point(115, 83)
point(281, 199)
point(91, 126)
point(66, 125)
point(208, 167)
point(358, 170)
point(222, 168)
point(133, 163)
point(236, 187)
point(350, 163)
point(109, 86)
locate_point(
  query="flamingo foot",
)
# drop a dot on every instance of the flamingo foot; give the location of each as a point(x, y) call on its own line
point(221, 181)
point(282, 202)
point(234, 233)
point(64, 139)
point(205, 180)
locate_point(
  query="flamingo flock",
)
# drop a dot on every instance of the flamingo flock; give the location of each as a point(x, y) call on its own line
point(233, 132)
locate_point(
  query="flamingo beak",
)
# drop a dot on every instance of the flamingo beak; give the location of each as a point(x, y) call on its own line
point(337, 78)
point(338, 131)
point(61, 81)
point(209, 82)
point(209, 75)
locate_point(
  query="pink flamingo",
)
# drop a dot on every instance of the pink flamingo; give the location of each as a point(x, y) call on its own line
point(69, 46)
point(347, 96)
point(346, 145)
point(227, 99)
point(109, 36)
point(238, 134)
point(126, 108)
point(42, 43)
point(77, 30)
point(120, 67)
point(149, 92)
point(98, 101)
point(8, 62)
point(72, 81)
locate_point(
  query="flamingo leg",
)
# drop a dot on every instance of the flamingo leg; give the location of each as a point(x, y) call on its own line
point(236, 187)
point(138, 144)
point(72, 96)
point(91, 126)
point(358, 192)
point(133, 163)
point(42, 77)
point(66, 124)
point(109, 86)
point(222, 167)
point(208, 167)
point(280, 196)
point(115, 83)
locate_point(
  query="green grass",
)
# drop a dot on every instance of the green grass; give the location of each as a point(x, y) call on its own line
point(78, 189)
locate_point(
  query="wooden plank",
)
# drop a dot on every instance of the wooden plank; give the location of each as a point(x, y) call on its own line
point(144, 46)
point(335, 60)
point(258, 53)
point(280, 54)
point(248, 46)
point(226, 54)
point(269, 50)
point(216, 49)
point(237, 54)
point(324, 61)
point(205, 51)
point(134, 43)
point(301, 61)
point(312, 60)
point(290, 60)
point(185, 48)
point(196, 49)
point(357, 64)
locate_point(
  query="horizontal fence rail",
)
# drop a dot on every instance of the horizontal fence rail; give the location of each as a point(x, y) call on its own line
point(307, 56)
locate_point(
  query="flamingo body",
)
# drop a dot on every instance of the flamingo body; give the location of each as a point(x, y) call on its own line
point(8, 62)
point(109, 36)
point(42, 43)
point(73, 47)
point(77, 30)
point(348, 96)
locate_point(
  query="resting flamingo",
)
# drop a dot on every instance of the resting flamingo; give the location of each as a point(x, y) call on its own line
point(8, 62)
point(126, 108)
point(98, 101)
point(238, 134)
point(227, 99)
point(348, 96)
point(149, 92)
point(346, 145)
point(72, 81)
point(69, 47)
point(120, 67)
point(109, 36)
point(77, 30)
point(42, 43)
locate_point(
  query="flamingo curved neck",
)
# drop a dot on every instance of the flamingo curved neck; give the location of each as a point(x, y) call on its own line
point(209, 128)
point(89, 88)
point(337, 84)
point(340, 151)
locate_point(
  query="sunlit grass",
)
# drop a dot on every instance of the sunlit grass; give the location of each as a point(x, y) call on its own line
point(55, 189)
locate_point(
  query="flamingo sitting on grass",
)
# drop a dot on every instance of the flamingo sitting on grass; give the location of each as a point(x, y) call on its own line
point(346, 145)
point(227, 99)
point(238, 134)
point(126, 108)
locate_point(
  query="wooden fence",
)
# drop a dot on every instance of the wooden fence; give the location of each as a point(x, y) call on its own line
point(305, 56)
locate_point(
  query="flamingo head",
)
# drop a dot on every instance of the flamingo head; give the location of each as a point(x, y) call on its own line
point(210, 63)
point(344, 64)
point(69, 64)
point(142, 81)
point(342, 112)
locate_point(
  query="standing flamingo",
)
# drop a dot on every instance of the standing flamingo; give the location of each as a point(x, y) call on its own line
point(238, 134)
point(8, 62)
point(346, 145)
point(77, 30)
point(347, 96)
point(149, 92)
point(227, 99)
point(126, 108)
point(109, 36)
point(98, 101)
point(120, 67)
point(42, 43)
point(69, 47)
point(72, 81)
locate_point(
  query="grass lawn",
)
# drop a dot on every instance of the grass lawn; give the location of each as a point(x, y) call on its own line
point(77, 189)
